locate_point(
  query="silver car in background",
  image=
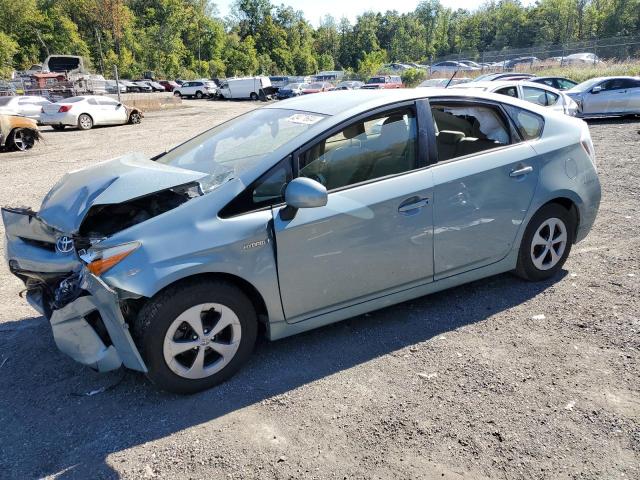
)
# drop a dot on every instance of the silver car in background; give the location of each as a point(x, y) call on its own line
point(297, 215)
point(542, 95)
point(29, 106)
point(607, 96)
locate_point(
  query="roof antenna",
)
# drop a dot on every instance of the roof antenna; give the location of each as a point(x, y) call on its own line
point(449, 82)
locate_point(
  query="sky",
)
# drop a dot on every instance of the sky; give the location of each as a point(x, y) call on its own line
point(314, 10)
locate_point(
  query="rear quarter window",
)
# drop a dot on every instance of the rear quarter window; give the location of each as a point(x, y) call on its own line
point(530, 125)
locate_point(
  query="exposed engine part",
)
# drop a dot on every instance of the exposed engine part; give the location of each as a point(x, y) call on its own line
point(105, 220)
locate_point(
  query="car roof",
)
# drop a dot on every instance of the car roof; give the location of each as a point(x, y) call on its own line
point(354, 101)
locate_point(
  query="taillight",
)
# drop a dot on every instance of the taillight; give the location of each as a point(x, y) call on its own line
point(64, 108)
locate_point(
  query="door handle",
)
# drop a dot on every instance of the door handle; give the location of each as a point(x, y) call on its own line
point(521, 171)
point(413, 203)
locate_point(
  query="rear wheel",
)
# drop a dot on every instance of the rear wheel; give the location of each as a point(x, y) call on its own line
point(196, 335)
point(21, 139)
point(546, 243)
point(199, 95)
point(85, 122)
point(254, 96)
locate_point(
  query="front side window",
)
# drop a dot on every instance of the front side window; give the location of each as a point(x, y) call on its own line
point(468, 129)
point(368, 149)
point(228, 150)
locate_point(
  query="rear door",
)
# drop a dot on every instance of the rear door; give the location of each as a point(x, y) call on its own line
point(631, 103)
point(375, 233)
point(483, 185)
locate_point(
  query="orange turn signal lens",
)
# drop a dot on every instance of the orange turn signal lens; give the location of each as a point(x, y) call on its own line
point(101, 265)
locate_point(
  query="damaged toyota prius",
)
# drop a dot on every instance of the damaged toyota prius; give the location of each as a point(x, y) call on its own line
point(297, 215)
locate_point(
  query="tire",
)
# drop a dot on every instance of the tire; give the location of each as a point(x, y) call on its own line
point(135, 118)
point(21, 139)
point(177, 94)
point(85, 122)
point(254, 96)
point(199, 95)
point(59, 128)
point(161, 328)
point(538, 258)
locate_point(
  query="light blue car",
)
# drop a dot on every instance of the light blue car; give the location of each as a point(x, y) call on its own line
point(297, 215)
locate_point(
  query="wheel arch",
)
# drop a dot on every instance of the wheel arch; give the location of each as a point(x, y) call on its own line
point(569, 204)
point(93, 120)
point(246, 287)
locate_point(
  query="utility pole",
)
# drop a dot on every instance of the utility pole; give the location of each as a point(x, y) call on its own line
point(115, 71)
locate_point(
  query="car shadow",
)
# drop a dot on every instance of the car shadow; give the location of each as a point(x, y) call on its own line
point(629, 119)
point(58, 417)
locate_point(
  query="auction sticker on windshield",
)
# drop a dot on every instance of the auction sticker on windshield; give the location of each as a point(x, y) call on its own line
point(304, 118)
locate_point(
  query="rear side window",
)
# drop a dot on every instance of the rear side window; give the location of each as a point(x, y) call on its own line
point(528, 124)
point(468, 129)
point(535, 95)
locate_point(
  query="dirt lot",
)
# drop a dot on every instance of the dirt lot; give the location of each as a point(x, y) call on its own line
point(497, 379)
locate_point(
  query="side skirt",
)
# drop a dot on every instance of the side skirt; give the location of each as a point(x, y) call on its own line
point(280, 330)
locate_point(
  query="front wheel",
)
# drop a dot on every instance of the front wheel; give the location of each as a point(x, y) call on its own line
point(135, 118)
point(177, 94)
point(85, 122)
point(196, 335)
point(546, 243)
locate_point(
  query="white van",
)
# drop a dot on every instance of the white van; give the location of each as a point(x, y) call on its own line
point(246, 87)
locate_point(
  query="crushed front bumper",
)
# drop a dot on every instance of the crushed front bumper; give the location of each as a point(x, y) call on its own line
point(87, 321)
point(79, 332)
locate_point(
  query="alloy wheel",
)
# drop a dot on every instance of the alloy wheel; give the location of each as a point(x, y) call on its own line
point(23, 139)
point(202, 340)
point(548, 243)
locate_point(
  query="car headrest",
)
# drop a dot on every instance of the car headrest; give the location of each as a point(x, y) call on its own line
point(353, 131)
point(450, 136)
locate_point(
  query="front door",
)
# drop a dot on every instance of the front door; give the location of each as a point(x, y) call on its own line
point(483, 185)
point(375, 233)
point(611, 99)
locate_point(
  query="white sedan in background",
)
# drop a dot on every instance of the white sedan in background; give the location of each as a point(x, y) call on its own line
point(85, 112)
point(531, 92)
point(29, 106)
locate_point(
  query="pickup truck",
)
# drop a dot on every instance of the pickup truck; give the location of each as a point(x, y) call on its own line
point(388, 81)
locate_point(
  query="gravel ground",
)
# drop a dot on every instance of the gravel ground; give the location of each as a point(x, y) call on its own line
point(496, 379)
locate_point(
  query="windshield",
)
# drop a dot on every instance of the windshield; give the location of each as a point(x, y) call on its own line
point(375, 80)
point(228, 150)
point(581, 87)
point(5, 100)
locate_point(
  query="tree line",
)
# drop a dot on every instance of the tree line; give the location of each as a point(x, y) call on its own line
point(188, 39)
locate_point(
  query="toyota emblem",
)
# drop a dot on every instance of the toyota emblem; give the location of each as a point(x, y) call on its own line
point(64, 244)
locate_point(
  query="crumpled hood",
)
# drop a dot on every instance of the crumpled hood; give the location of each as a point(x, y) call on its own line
point(111, 182)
